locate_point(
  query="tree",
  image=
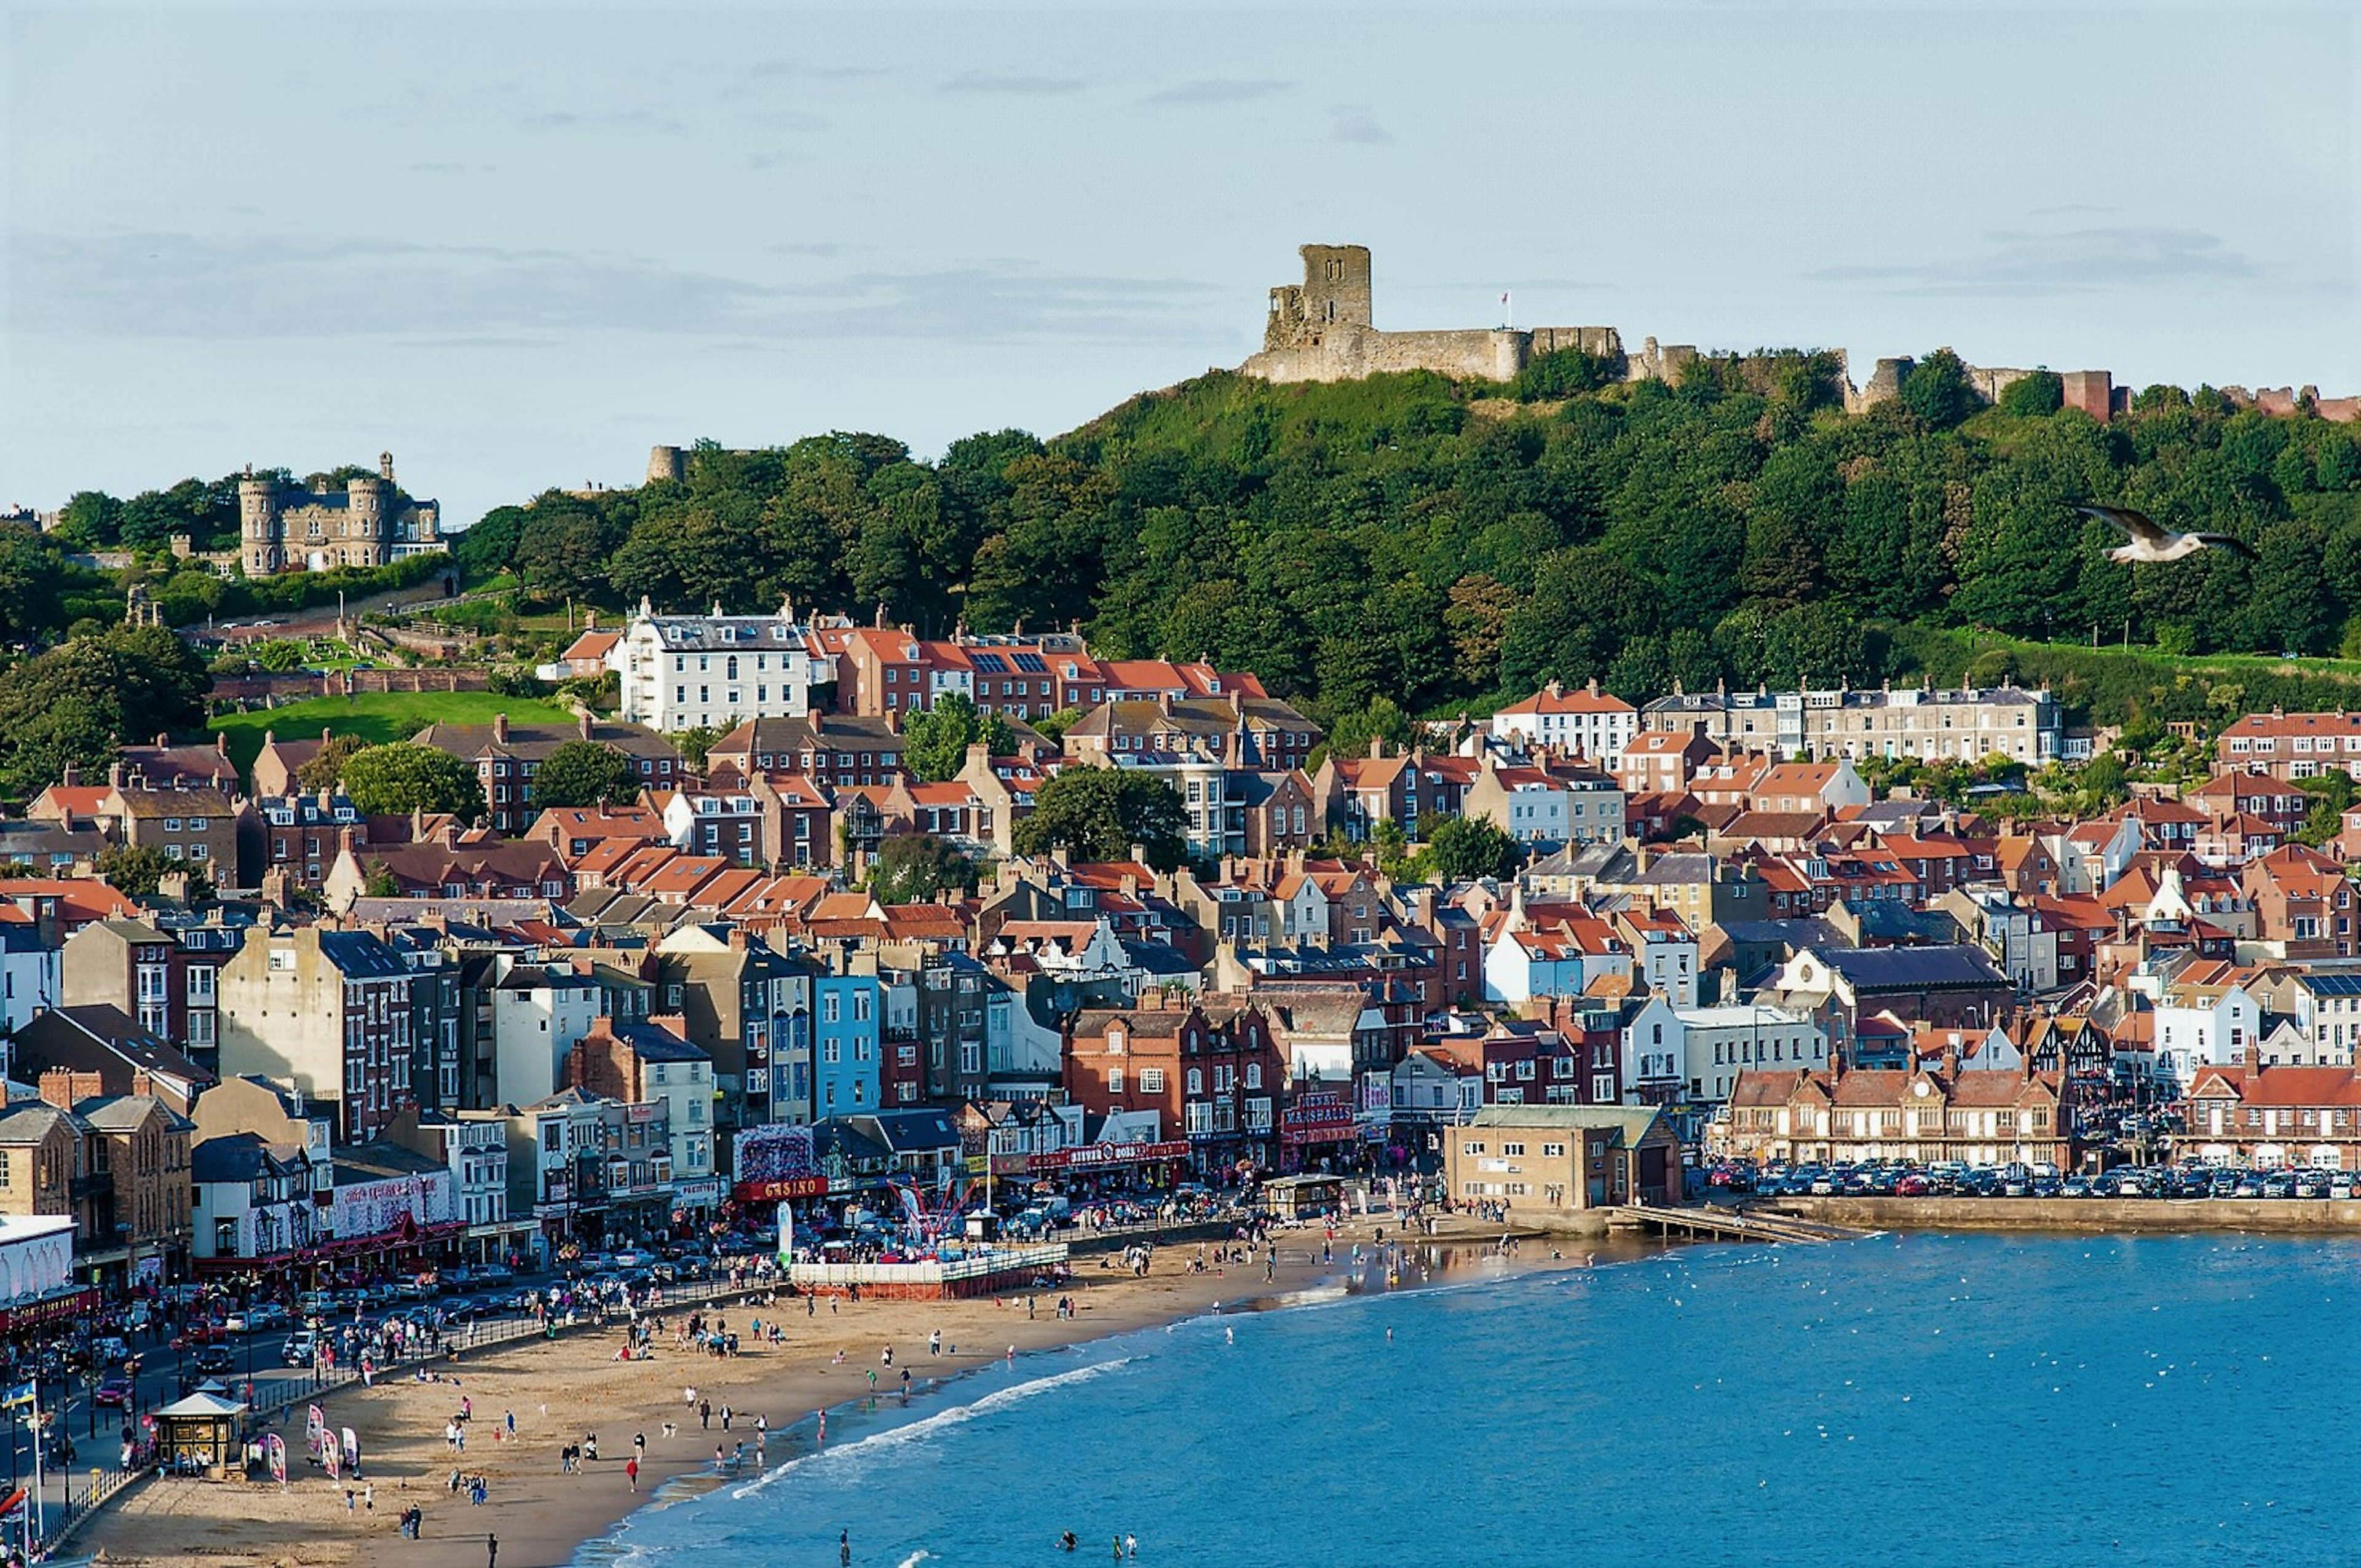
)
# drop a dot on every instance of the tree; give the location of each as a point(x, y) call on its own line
point(2331, 796)
point(140, 872)
point(1382, 718)
point(1463, 849)
point(379, 882)
point(1098, 814)
point(2034, 394)
point(909, 868)
point(935, 740)
point(75, 703)
point(1939, 391)
point(694, 744)
point(584, 772)
point(324, 769)
point(403, 777)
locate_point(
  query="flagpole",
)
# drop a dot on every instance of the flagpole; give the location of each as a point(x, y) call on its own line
point(40, 1510)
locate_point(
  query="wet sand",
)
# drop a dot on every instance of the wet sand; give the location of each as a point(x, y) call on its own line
point(560, 1391)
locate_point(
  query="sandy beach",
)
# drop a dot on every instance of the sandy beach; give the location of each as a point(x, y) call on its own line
point(559, 1392)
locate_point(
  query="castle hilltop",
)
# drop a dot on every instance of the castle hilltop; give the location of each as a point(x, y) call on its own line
point(1325, 329)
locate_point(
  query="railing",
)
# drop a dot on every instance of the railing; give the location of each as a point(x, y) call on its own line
point(479, 1335)
point(78, 1510)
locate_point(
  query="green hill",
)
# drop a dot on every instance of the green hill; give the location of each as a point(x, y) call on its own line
point(1445, 544)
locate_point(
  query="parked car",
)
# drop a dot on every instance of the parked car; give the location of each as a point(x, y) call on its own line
point(301, 1349)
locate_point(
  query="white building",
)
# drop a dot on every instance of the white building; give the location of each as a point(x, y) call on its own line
point(539, 1012)
point(1703, 1049)
point(36, 1258)
point(2204, 1025)
point(1594, 723)
point(680, 672)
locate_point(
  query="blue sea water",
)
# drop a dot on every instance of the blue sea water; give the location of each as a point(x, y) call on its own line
point(1945, 1400)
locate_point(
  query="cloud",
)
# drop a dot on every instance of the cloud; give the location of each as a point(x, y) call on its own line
point(625, 121)
point(1217, 90)
point(1354, 124)
point(2009, 262)
point(1013, 82)
point(180, 286)
point(805, 71)
point(175, 285)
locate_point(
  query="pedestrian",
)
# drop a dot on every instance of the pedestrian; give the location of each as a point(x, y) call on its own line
point(491, 1551)
point(348, 1499)
point(844, 1547)
point(509, 1416)
point(1130, 1544)
point(631, 1473)
point(705, 1413)
point(368, 1498)
point(935, 1342)
point(727, 1413)
point(639, 1445)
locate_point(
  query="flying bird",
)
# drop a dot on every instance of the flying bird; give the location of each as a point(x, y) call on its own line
point(2151, 541)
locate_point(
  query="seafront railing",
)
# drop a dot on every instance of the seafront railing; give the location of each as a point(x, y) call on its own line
point(307, 1384)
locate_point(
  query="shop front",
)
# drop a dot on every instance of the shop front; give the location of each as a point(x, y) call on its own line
point(1099, 1166)
point(1320, 1129)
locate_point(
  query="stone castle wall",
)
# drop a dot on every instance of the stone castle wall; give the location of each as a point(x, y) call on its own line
point(1325, 329)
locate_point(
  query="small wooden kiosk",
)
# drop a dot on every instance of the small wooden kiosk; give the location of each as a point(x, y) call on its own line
point(201, 1435)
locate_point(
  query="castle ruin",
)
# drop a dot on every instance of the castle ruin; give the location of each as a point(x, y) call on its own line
point(1325, 329)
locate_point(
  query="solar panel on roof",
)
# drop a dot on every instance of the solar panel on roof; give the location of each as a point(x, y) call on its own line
point(2334, 984)
point(1030, 664)
point(988, 663)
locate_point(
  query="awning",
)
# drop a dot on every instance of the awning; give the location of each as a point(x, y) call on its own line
point(1100, 1157)
point(34, 1314)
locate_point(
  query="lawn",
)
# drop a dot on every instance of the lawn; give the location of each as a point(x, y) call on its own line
point(375, 716)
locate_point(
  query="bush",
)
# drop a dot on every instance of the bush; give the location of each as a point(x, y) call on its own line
point(2042, 392)
point(1562, 373)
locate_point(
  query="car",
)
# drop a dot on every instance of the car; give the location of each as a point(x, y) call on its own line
point(2075, 1187)
point(2311, 1184)
point(261, 1316)
point(114, 1392)
point(1915, 1185)
point(409, 1290)
point(199, 1332)
point(495, 1274)
point(217, 1360)
point(301, 1349)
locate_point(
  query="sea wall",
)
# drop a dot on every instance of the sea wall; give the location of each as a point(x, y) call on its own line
point(2280, 1215)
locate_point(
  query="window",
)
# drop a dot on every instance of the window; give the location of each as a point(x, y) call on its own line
point(1513, 1150)
point(1115, 1081)
point(1151, 1081)
point(1196, 1081)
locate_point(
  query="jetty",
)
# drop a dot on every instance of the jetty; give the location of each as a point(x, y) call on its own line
point(1710, 1223)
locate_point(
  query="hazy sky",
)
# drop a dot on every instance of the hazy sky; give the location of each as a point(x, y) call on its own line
point(519, 244)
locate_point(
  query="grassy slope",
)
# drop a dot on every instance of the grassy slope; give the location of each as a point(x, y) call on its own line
point(376, 718)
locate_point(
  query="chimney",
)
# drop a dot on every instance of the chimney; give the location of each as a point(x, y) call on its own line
point(582, 723)
point(62, 1087)
point(500, 728)
point(72, 778)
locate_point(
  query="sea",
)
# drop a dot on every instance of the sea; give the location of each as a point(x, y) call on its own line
point(1918, 1398)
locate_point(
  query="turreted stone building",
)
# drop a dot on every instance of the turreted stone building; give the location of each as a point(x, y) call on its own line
point(368, 524)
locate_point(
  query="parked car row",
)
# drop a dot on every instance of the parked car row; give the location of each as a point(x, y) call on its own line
point(1952, 1179)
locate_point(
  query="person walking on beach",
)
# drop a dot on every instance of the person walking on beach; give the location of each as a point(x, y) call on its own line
point(704, 1414)
point(491, 1550)
point(935, 1342)
point(631, 1473)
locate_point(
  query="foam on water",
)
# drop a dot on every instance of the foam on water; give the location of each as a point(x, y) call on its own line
point(864, 1448)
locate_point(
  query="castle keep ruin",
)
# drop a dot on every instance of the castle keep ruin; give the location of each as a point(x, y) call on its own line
point(1325, 329)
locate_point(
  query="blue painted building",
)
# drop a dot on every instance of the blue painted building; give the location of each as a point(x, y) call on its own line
point(845, 1060)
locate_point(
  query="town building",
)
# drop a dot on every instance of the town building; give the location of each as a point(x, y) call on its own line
point(1924, 724)
point(1563, 1159)
point(1585, 722)
point(1926, 1115)
point(327, 1011)
point(687, 672)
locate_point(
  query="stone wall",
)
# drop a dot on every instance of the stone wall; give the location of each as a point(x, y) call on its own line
point(2283, 1215)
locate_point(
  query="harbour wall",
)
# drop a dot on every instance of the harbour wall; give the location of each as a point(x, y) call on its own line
point(2280, 1215)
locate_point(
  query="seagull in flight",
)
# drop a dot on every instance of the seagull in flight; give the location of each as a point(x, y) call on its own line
point(2151, 541)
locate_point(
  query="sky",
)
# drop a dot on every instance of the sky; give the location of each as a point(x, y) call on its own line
point(518, 244)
